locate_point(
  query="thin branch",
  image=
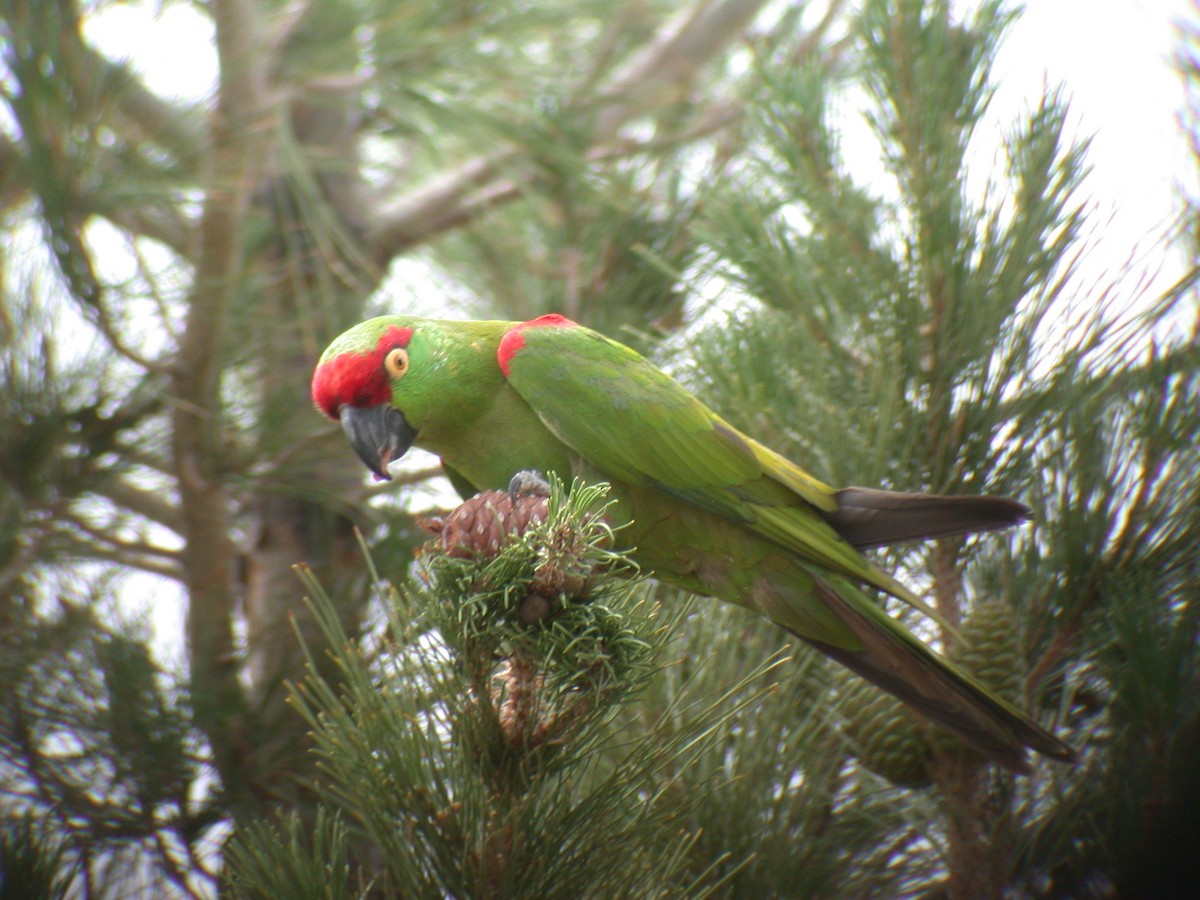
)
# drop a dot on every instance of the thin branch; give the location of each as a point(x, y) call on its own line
point(13, 189)
point(176, 128)
point(159, 223)
point(28, 549)
point(93, 295)
point(131, 554)
point(470, 208)
point(1058, 648)
point(103, 539)
point(661, 71)
point(177, 874)
point(143, 456)
point(461, 196)
point(164, 315)
point(145, 503)
point(418, 215)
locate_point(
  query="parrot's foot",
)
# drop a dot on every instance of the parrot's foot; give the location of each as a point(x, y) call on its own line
point(528, 483)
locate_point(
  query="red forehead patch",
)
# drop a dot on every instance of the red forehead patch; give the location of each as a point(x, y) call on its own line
point(513, 340)
point(357, 379)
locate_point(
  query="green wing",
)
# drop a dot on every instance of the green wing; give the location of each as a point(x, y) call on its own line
point(638, 425)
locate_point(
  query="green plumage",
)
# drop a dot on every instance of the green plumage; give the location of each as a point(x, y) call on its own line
point(709, 508)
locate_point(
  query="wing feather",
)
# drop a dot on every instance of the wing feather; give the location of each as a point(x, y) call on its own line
point(637, 424)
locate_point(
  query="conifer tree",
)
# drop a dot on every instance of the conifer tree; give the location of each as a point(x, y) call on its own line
point(921, 335)
point(673, 175)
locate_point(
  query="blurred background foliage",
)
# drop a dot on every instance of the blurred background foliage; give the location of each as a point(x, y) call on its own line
point(678, 176)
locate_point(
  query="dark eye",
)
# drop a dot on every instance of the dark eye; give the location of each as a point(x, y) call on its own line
point(396, 362)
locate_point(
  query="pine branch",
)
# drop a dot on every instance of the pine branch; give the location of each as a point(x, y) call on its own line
point(142, 502)
point(660, 71)
point(177, 129)
point(13, 189)
point(139, 554)
point(463, 759)
point(97, 91)
point(159, 222)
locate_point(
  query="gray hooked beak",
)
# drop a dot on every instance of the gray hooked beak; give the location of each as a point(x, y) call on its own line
point(380, 435)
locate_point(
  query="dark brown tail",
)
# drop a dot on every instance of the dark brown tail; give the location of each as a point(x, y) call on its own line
point(870, 518)
point(902, 665)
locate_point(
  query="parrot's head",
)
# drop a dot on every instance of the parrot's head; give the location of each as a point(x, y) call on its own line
point(386, 380)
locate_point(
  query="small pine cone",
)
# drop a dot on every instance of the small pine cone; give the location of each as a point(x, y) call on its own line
point(554, 579)
point(885, 737)
point(537, 607)
point(482, 524)
point(989, 648)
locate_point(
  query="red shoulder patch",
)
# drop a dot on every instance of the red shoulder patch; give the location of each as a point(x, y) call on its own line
point(513, 340)
point(357, 379)
point(550, 320)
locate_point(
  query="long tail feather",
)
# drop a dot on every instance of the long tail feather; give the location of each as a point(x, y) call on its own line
point(870, 518)
point(900, 664)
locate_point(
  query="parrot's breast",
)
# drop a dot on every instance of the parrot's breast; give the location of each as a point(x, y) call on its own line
point(503, 438)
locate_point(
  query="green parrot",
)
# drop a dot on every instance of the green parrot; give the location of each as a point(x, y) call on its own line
point(706, 507)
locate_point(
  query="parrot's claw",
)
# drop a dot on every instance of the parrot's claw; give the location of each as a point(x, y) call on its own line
point(528, 483)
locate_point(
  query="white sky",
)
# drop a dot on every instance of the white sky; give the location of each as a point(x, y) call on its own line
point(1113, 56)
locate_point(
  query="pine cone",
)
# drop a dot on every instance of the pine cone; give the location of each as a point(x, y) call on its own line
point(478, 527)
point(989, 648)
point(885, 737)
point(891, 741)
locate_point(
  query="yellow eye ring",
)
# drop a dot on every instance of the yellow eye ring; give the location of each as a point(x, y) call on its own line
point(396, 362)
